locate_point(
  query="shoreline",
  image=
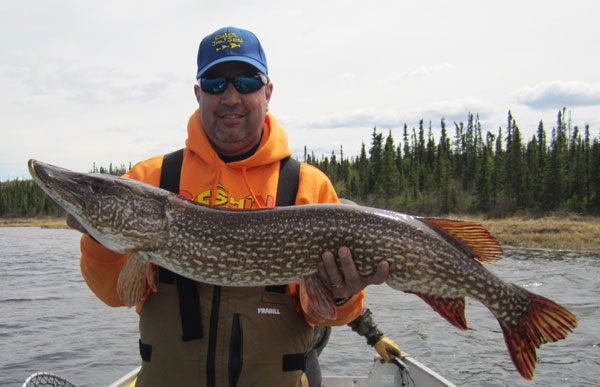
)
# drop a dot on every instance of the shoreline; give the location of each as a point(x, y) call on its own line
point(42, 222)
point(556, 232)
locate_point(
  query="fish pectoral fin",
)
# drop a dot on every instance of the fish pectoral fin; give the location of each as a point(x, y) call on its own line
point(477, 239)
point(135, 279)
point(316, 299)
point(545, 322)
point(452, 309)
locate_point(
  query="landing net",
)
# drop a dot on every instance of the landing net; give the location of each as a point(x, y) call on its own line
point(46, 379)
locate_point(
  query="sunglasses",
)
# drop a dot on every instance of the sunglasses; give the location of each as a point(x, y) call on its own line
point(244, 84)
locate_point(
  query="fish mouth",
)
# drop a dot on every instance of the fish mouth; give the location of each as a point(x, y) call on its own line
point(60, 184)
point(31, 165)
point(40, 173)
point(48, 176)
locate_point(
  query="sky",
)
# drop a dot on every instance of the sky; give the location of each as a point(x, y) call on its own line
point(84, 82)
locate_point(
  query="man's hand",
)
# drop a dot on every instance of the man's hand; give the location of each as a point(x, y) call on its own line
point(386, 347)
point(74, 224)
point(71, 221)
point(348, 282)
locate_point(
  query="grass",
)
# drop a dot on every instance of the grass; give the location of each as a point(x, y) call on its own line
point(566, 232)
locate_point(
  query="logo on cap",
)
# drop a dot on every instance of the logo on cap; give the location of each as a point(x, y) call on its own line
point(227, 40)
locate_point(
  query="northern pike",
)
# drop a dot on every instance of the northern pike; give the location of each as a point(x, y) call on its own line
point(439, 260)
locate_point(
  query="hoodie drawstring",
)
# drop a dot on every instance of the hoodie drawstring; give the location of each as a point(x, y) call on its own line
point(215, 186)
point(249, 187)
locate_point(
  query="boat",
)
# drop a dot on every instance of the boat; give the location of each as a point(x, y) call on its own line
point(406, 371)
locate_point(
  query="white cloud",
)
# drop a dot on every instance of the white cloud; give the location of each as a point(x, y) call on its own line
point(80, 82)
point(558, 94)
point(421, 71)
point(357, 118)
point(451, 110)
point(458, 109)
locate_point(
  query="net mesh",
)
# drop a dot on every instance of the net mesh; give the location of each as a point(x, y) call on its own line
point(46, 379)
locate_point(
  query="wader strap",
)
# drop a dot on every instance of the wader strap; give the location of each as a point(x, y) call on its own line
point(145, 351)
point(287, 190)
point(289, 178)
point(294, 362)
point(189, 301)
point(171, 171)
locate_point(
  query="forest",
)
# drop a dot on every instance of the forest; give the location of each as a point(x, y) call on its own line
point(466, 171)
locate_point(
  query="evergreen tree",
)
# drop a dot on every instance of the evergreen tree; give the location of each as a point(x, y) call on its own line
point(483, 186)
point(555, 172)
point(443, 171)
point(390, 176)
point(498, 175)
point(515, 166)
point(363, 173)
point(587, 164)
point(539, 165)
point(594, 204)
point(376, 186)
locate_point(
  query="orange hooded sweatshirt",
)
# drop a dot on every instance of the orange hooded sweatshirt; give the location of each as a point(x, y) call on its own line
point(205, 178)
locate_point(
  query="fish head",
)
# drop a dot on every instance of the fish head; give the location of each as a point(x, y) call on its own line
point(122, 214)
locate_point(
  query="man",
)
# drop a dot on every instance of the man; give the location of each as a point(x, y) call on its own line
point(194, 334)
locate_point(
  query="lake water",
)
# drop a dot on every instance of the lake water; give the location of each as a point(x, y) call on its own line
point(50, 321)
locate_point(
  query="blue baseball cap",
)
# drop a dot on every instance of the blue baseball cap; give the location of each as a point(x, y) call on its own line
point(230, 44)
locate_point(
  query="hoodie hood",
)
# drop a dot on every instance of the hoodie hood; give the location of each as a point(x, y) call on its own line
point(273, 146)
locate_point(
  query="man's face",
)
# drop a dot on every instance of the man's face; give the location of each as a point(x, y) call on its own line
point(233, 121)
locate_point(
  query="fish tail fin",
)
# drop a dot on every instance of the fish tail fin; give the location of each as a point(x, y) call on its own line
point(545, 322)
point(452, 309)
point(316, 299)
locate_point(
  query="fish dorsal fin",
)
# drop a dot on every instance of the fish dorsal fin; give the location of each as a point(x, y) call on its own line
point(482, 245)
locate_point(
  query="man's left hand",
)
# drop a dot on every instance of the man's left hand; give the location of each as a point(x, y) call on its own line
point(386, 348)
point(347, 281)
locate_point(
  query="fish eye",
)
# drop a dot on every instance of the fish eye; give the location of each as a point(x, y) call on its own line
point(96, 186)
